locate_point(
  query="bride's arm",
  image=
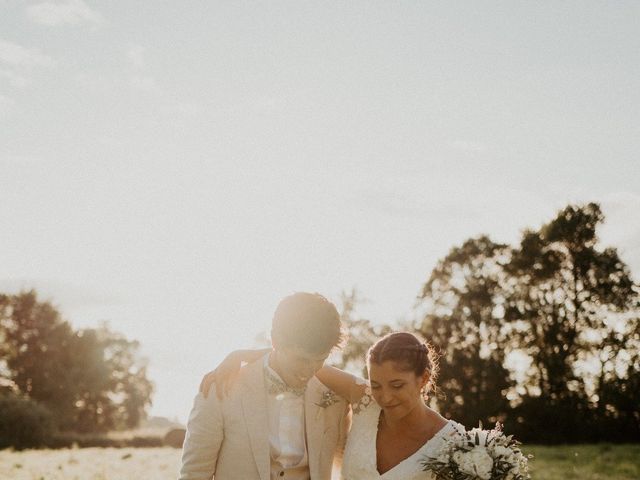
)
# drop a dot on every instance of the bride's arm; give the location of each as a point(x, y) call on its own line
point(226, 373)
point(344, 384)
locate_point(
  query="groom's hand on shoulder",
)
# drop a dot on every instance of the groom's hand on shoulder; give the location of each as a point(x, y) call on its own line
point(223, 381)
point(225, 375)
point(207, 382)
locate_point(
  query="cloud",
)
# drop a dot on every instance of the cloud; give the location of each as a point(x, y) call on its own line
point(618, 201)
point(69, 12)
point(448, 196)
point(15, 58)
point(17, 161)
point(396, 204)
point(63, 293)
point(145, 84)
point(15, 80)
point(188, 109)
point(19, 56)
point(5, 103)
point(135, 55)
point(468, 146)
point(139, 80)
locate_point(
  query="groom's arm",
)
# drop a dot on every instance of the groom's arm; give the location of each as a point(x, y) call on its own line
point(203, 439)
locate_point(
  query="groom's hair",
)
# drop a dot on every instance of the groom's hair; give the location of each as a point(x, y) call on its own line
point(308, 321)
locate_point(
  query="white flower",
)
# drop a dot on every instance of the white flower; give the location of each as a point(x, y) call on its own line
point(476, 462)
point(465, 462)
point(502, 451)
point(506, 453)
point(480, 434)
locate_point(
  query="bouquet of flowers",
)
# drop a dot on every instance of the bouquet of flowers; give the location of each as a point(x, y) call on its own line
point(479, 455)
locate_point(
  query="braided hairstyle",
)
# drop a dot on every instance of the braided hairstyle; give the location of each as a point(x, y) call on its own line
point(409, 353)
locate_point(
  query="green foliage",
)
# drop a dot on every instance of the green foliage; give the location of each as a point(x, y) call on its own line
point(460, 318)
point(362, 334)
point(563, 302)
point(91, 380)
point(37, 350)
point(24, 423)
point(573, 303)
point(564, 287)
point(558, 299)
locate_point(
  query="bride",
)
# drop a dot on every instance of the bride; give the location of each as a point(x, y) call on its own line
point(393, 430)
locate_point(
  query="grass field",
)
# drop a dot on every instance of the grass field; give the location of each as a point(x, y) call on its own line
point(585, 462)
point(572, 462)
point(91, 464)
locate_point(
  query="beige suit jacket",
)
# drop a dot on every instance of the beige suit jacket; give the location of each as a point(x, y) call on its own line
point(229, 439)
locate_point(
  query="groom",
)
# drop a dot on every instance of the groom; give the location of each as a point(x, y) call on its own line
point(278, 421)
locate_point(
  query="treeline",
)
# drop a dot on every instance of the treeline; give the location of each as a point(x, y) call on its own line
point(55, 379)
point(543, 336)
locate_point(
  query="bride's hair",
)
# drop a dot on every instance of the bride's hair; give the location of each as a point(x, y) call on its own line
point(409, 352)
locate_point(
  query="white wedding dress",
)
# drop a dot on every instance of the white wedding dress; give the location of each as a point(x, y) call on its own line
point(360, 462)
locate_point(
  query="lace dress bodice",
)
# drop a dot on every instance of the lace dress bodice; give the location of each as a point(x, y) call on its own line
point(360, 453)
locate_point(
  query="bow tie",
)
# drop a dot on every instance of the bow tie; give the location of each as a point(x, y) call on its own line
point(275, 385)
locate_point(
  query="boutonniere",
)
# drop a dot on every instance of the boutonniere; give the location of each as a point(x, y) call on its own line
point(329, 397)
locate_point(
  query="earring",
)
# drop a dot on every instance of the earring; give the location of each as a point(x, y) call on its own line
point(424, 391)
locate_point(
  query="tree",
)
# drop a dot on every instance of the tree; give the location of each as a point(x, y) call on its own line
point(566, 302)
point(128, 375)
point(362, 335)
point(91, 380)
point(461, 319)
point(37, 352)
point(112, 390)
point(559, 300)
point(617, 394)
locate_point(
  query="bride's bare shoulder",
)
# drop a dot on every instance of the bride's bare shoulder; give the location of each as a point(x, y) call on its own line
point(436, 420)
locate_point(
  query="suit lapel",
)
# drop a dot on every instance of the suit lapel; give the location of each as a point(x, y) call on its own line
point(314, 423)
point(256, 417)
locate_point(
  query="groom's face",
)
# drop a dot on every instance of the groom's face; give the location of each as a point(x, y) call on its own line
point(296, 366)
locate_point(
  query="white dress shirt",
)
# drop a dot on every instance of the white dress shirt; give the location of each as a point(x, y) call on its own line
point(287, 439)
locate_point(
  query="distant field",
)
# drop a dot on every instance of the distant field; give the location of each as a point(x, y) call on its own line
point(91, 464)
point(585, 462)
point(573, 462)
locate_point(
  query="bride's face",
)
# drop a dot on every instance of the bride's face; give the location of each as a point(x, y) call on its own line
point(397, 390)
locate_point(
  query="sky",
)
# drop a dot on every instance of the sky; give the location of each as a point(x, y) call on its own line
point(176, 168)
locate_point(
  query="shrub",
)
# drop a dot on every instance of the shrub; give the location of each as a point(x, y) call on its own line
point(24, 423)
point(175, 437)
point(83, 440)
point(139, 442)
